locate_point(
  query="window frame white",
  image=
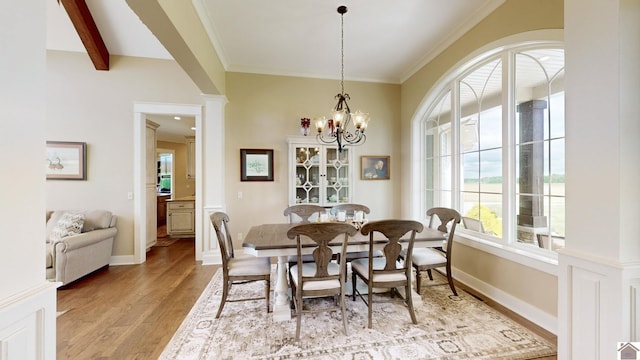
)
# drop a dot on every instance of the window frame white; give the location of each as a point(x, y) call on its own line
point(507, 248)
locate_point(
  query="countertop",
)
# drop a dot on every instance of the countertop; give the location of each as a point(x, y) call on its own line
point(185, 198)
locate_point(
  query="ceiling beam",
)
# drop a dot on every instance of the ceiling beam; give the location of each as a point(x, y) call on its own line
point(88, 31)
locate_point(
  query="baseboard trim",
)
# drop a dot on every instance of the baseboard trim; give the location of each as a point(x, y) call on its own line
point(211, 259)
point(122, 260)
point(522, 308)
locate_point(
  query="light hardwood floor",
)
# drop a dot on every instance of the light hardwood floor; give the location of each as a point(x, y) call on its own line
point(131, 312)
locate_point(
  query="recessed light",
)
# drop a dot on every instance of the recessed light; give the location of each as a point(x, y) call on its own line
point(177, 117)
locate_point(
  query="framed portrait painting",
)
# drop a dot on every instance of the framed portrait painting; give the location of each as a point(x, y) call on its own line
point(375, 167)
point(66, 160)
point(256, 165)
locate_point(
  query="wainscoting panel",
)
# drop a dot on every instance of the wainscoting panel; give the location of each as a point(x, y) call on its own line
point(28, 325)
point(597, 305)
point(210, 251)
point(586, 310)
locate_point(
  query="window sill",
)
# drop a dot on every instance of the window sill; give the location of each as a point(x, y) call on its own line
point(539, 260)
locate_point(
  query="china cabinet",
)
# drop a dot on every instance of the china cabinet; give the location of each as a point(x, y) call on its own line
point(319, 173)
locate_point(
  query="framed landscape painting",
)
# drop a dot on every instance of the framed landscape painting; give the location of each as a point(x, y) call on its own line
point(66, 160)
point(256, 165)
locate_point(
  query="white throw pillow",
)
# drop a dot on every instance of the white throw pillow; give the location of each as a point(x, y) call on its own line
point(69, 224)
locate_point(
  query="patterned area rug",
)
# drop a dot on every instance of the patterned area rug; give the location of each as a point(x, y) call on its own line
point(449, 327)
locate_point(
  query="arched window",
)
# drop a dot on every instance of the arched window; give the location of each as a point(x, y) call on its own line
point(492, 144)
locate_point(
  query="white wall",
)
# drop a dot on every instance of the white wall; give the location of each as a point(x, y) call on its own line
point(27, 300)
point(22, 104)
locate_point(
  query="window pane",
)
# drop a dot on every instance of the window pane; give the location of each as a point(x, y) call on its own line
point(445, 173)
point(491, 213)
point(491, 169)
point(471, 171)
point(438, 153)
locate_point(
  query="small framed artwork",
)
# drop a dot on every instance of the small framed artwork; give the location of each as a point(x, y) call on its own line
point(375, 167)
point(256, 165)
point(66, 160)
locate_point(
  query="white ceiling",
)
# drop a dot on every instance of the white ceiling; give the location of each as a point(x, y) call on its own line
point(384, 41)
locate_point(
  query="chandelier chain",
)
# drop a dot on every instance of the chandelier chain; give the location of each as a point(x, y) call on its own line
point(342, 53)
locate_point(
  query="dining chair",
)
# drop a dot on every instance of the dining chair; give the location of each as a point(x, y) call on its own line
point(322, 277)
point(472, 224)
point(239, 269)
point(350, 210)
point(426, 259)
point(386, 271)
point(301, 213)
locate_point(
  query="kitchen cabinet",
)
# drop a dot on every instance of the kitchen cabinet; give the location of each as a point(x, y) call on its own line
point(181, 217)
point(319, 173)
point(162, 209)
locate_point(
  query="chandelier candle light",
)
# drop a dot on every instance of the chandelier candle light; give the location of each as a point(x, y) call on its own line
point(337, 128)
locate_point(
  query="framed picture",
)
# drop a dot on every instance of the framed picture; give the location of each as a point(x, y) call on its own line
point(256, 165)
point(375, 167)
point(66, 160)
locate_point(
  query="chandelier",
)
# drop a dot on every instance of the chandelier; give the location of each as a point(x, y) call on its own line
point(336, 129)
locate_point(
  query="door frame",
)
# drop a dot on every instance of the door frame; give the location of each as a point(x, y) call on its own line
point(140, 110)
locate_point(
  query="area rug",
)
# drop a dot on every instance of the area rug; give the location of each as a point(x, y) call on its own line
point(449, 327)
point(166, 241)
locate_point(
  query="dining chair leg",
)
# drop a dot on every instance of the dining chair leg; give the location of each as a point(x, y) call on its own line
point(418, 280)
point(370, 303)
point(409, 297)
point(344, 314)
point(267, 293)
point(298, 305)
point(450, 279)
point(225, 292)
point(353, 285)
point(430, 275)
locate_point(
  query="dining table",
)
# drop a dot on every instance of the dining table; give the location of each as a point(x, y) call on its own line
point(270, 240)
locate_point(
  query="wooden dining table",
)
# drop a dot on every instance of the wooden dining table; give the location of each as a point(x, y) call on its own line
point(270, 240)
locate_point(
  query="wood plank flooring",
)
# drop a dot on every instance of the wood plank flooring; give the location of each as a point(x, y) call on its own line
point(132, 311)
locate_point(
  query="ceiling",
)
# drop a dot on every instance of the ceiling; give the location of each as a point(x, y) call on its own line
point(382, 43)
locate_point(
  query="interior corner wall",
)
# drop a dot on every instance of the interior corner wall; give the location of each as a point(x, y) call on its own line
point(264, 109)
point(96, 107)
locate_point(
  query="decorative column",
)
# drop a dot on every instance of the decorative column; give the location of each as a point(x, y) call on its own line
point(210, 156)
point(531, 218)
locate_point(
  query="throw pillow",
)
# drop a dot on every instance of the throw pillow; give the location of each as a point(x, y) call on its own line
point(68, 224)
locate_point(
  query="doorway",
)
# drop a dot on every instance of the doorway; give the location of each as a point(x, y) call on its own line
point(145, 206)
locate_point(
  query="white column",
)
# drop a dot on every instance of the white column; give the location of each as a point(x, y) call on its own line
point(599, 270)
point(210, 155)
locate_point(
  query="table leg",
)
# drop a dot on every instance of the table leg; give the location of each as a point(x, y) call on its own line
point(281, 307)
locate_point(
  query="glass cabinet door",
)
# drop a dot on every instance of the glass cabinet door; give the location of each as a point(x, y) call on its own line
point(337, 176)
point(318, 174)
point(307, 175)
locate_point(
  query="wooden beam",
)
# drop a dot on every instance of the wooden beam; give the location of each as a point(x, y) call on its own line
point(88, 31)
